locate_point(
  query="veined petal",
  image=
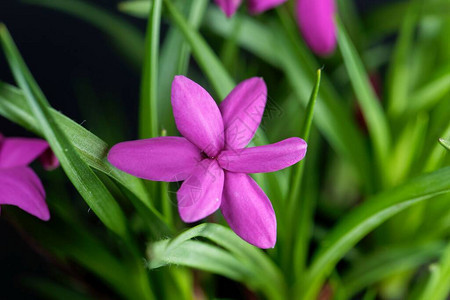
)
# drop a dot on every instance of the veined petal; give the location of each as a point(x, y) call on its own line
point(262, 159)
point(248, 211)
point(316, 22)
point(229, 7)
point(197, 116)
point(242, 111)
point(160, 159)
point(21, 187)
point(200, 195)
point(259, 6)
point(19, 152)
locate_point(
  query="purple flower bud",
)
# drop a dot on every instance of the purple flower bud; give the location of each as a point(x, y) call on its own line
point(316, 22)
point(229, 7)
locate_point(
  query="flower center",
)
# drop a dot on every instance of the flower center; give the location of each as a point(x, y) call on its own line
point(204, 155)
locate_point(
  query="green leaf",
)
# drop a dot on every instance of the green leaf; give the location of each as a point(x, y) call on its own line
point(136, 8)
point(91, 149)
point(241, 261)
point(370, 105)
point(363, 219)
point(87, 183)
point(127, 39)
point(68, 240)
point(438, 287)
point(203, 54)
point(398, 73)
point(445, 143)
point(297, 170)
point(431, 93)
point(198, 255)
point(297, 208)
point(175, 54)
point(251, 35)
point(148, 110)
point(386, 262)
point(334, 121)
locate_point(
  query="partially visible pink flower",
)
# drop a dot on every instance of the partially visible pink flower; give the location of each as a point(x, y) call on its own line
point(229, 7)
point(19, 185)
point(212, 159)
point(316, 22)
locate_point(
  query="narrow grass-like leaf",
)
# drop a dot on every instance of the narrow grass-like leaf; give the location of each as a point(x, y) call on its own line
point(438, 286)
point(428, 95)
point(437, 154)
point(370, 105)
point(148, 109)
point(136, 8)
point(392, 15)
point(263, 273)
point(401, 158)
point(195, 17)
point(175, 53)
point(398, 79)
point(69, 240)
point(198, 255)
point(127, 39)
point(334, 121)
point(83, 178)
point(357, 224)
point(203, 54)
point(297, 208)
point(372, 268)
point(251, 35)
point(92, 149)
point(297, 171)
point(445, 143)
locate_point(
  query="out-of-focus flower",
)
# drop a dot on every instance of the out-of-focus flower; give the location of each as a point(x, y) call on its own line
point(316, 22)
point(19, 185)
point(229, 7)
point(212, 159)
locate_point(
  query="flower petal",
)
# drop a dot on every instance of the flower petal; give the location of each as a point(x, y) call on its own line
point(262, 159)
point(160, 159)
point(49, 160)
point(242, 111)
point(19, 152)
point(21, 187)
point(197, 116)
point(259, 6)
point(248, 211)
point(229, 7)
point(200, 195)
point(316, 22)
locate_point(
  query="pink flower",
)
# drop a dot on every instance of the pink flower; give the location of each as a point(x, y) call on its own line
point(19, 185)
point(316, 22)
point(229, 7)
point(212, 159)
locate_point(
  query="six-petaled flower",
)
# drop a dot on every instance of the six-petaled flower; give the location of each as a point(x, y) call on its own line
point(212, 159)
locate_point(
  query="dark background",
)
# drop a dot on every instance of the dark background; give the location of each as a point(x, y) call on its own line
point(82, 76)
